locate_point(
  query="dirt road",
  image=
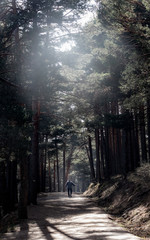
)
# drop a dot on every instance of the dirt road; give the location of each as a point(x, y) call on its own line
point(57, 217)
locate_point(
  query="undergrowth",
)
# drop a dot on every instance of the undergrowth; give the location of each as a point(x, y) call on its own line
point(127, 200)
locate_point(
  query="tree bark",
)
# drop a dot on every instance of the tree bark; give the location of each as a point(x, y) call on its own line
point(124, 153)
point(64, 166)
point(49, 174)
point(97, 141)
point(107, 157)
point(102, 168)
point(23, 196)
point(34, 173)
point(57, 166)
point(137, 148)
point(13, 184)
point(143, 134)
point(54, 176)
point(148, 126)
point(68, 161)
point(34, 178)
point(91, 159)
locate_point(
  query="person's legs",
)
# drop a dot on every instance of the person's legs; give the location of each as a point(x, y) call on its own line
point(69, 192)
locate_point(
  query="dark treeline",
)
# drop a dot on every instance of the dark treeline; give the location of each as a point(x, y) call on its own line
point(83, 114)
point(120, 101)
point(32, 126)
point(122, 142)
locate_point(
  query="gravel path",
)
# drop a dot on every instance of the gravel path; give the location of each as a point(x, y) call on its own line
point(57, 217)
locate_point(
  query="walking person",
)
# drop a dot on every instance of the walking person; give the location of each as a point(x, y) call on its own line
point(69, 185)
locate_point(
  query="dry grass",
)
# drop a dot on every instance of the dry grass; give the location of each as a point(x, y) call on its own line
point(127, 200)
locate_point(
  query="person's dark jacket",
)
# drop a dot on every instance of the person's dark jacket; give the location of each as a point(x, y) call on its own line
point(69, 184)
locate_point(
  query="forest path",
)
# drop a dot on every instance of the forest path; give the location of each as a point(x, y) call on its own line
point(57, 217)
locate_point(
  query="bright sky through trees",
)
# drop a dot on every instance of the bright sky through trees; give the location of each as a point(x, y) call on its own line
point(83, 19)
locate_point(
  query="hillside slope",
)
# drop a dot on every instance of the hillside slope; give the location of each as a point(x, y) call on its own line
point(127, 200)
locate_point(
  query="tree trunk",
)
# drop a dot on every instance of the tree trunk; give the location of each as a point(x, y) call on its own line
point(34, 178)
point(97, 141)
point(135, 145)
point(91, 160)
point(23, 196)
point(111, 151)
point(69, 162)
point(118, 154)
point(44, 165)
point(143, 134)
point(2, 188)
point(102, 168)
point(57, 161)
point(54, 182)
point(107, 152)
point(49, 174)
point(148, 126)
point(128, 149)
point(64, 166)
point(13, 184)
point(44, 171)
point(83, 184)
point(137, 148)
point(41, 169)
point(132, 155)
point(7, 207)
point(124, 153)
point(34, 173)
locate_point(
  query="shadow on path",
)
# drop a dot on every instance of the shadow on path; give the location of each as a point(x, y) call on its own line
point(57, 217)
